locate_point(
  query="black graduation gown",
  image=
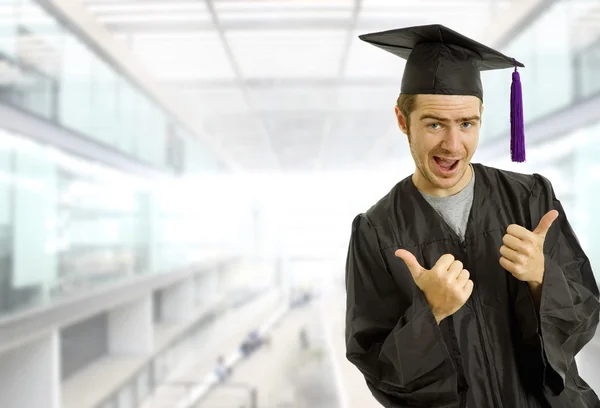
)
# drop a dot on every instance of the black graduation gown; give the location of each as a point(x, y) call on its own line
point(494, 352)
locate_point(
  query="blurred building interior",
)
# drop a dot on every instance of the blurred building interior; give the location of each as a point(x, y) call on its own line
point(179, 177)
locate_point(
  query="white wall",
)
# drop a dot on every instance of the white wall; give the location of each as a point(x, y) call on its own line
point(30, 375)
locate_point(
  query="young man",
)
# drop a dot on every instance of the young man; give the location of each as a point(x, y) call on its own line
point(466, 285)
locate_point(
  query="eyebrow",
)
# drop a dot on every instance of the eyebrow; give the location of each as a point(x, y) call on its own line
point(460, 120)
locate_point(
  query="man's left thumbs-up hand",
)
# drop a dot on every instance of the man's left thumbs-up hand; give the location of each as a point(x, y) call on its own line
point(523, 250)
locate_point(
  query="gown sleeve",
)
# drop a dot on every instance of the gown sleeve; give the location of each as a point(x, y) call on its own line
point(569, 307)
point(393, 339)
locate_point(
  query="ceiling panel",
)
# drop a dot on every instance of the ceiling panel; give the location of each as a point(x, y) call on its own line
point(287, 53)
point(208, 102)
point(245, 129)
point(291, 130)
point(585, 26)
point(242, 134)
point(368, 61)
point(450, 13)
point(370, 97)
point(183, 56)
point(292, 98)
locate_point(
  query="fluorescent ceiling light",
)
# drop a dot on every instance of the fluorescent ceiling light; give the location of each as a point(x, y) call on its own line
point(434, 4)
point(284, 15)
point(279, 61)
point(200, 36)
point(168, 6)
point(290, 5)
point(156, 18)
point(286, 36)
point(404, 15)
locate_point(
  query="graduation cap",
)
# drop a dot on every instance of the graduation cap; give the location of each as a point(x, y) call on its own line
point(442, 61)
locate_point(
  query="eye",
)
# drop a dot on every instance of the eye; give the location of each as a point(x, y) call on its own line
point(433, 125)
point(467, 125)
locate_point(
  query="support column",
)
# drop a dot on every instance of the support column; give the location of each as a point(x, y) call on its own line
point(130, 328)
point(178, 301)
point(31, 374)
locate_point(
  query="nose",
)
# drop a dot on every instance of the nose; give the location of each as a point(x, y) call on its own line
point(452, 139)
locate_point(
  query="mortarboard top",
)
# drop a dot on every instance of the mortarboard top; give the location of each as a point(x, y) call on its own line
point(442, 61)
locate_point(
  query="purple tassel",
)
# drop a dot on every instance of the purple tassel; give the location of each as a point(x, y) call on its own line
point(517, 127)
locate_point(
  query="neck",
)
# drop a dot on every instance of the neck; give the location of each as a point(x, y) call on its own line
point(427, 187)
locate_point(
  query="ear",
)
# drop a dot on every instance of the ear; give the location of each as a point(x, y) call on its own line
point(401, 120)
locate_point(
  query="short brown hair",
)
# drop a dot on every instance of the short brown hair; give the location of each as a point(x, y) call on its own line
point(407, 103)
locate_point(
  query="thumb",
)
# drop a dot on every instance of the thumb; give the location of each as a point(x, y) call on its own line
point(546, 223)
point(411, 262)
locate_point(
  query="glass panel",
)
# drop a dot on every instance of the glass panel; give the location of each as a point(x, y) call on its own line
point(589, 70)
point(10, 74)
point(38, 50)
point(6, 221)
point(198, 157)
point(8, 27)
point(49, 71)
point(552, 65)
point(11, 81)
point(103, 102)
point(156, 140)
point(128, 117)
point(68, 224)
point(547, 78)
point(42, 39)
point(65, 224)
point(37, 93)
point(34, 222)
point(75, 95)
point(144, 136)
point(103, 210)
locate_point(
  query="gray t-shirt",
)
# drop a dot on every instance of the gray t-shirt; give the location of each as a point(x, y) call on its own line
point(455, 209)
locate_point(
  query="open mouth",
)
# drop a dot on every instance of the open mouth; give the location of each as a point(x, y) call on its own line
point(446, 165)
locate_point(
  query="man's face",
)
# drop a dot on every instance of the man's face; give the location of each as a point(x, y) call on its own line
point(443, 136)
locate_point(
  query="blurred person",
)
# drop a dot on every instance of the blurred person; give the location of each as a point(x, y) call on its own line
point(466, 285)
point(303, 335)
point(252, 342)
point(221, 370)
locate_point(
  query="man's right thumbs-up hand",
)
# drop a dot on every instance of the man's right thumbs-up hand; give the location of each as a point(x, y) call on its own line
point(446, 286)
